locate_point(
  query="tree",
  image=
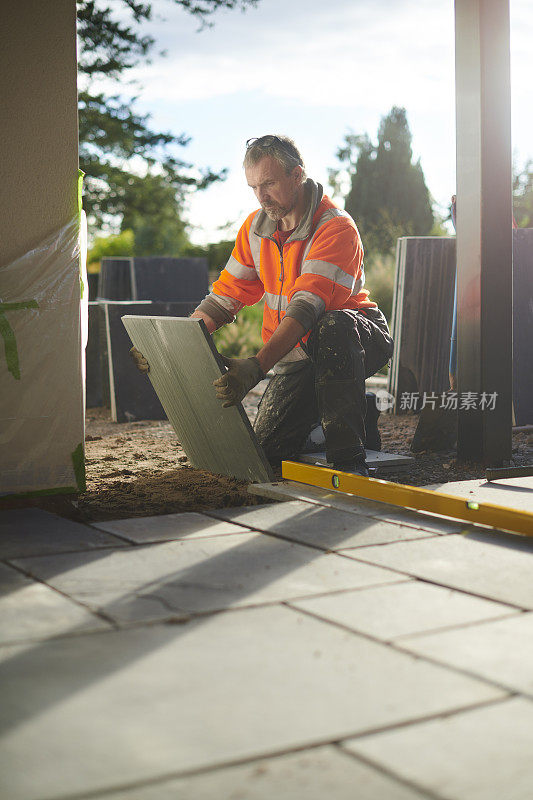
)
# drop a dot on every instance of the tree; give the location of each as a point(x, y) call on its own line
point(388, 196)
point(523, 196)
point(121, 244)
point(113, 137)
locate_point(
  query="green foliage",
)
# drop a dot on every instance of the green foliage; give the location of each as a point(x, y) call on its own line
point(388, 196)
point(122, 244)
point(153, 212)
point(217, 254)
point(523, 196)
point(241, 338)
point(120, 154)
point(380, 271)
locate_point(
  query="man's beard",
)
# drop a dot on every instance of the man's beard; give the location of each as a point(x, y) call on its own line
point(275, 211)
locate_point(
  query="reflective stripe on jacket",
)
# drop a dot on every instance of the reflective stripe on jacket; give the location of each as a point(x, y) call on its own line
point(320, 263)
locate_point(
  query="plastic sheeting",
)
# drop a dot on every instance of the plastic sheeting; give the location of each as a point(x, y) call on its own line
point(43, 332)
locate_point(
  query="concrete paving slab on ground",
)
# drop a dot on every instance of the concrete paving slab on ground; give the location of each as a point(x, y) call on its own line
point(91, 713)
point(168, 527)
point(292, 490)
point(31, 531)
point(327, 528)
point(495, 566)
point(30, 610)
point(500, 651)
point(483, 754)
point(376, 459)
point(509, 492)
point(159, 581)
point(315, 774)
point(409, 607)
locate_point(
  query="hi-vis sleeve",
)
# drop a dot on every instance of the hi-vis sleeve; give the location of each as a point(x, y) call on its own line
point(332, 267)
point(239, 280)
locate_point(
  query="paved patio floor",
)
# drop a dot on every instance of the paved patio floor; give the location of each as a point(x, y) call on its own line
point(301, 650)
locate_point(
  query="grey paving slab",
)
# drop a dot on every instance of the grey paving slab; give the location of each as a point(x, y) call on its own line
point(396, 610)
point(509, 492)
point(378, 459)
point(501, 651)
point(183, 365)
point(163, 580)
point(329, 528)
point(292, 490)
point(495, 566)
point(93, 712)
point(483, 754)
point(168, 527)
point(31, 531)
point(314, 774)
point(30, 610)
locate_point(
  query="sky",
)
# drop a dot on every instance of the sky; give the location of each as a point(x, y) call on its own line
point(313, 70)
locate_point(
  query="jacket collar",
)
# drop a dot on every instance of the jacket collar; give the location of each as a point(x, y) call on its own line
point(266, 227)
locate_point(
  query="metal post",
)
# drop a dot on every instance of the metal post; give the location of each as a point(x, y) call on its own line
point(484, 230)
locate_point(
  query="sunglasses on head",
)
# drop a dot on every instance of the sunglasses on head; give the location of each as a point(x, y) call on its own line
point(267, 141)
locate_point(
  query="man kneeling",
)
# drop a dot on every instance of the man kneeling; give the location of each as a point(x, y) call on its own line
point(322, 335)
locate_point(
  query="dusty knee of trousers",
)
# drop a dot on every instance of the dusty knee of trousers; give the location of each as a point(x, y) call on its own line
point(333, 325)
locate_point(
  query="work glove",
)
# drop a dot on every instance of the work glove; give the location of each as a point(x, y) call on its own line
point(140, 362)
point(242, 375)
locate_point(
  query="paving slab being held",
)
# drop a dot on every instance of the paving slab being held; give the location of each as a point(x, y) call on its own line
point(183, 365)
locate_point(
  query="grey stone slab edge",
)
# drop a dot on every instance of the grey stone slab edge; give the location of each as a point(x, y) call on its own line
point(383, 462)
point(238, 454)
point(285, 490)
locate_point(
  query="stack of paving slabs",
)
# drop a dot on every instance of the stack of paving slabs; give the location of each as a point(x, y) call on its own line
point(422, 315)
point(155, 278)
point(422, 318)
point(123, 389)
point(183, 365)
point(93, 360)
point(523, 325)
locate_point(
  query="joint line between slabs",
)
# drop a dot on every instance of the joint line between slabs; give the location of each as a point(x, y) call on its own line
point(100, 614)
point(435, 582)
point(384, 770)
point(167, 777)
point(510, 692)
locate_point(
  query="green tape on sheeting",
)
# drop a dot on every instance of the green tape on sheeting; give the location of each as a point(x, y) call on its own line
point(39, 493)
point(8, 334)
point(18, 306)
point(10, 346)
point(81, 176)
point(78, 462)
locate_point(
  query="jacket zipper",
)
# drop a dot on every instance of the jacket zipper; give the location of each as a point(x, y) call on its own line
point(281, 278)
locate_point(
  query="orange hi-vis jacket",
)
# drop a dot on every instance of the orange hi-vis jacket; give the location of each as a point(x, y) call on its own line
point(319, 267)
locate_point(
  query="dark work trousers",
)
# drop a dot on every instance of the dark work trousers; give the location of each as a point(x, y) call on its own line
point(344, 348)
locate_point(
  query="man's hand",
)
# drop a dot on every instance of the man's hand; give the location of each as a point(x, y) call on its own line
point(242, 375)
point(140, 362)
